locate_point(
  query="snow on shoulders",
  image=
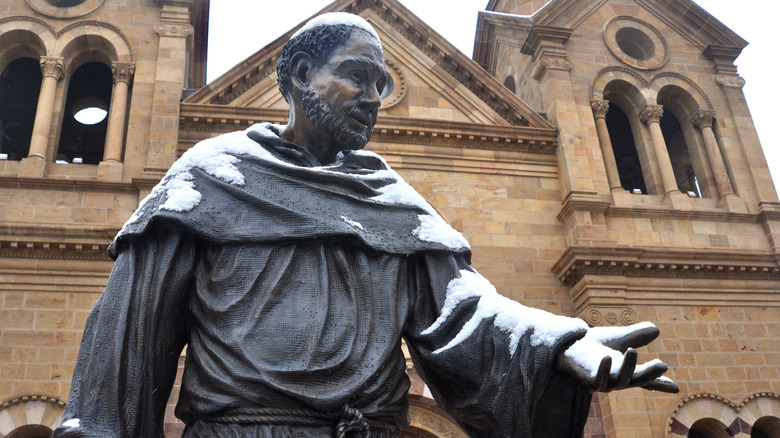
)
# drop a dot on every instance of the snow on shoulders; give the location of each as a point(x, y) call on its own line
point(335, 19)
point(508, 315)
point(73, 422)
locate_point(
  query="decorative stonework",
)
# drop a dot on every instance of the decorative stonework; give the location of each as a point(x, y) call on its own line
point(733, 81)
point(399, 85)
point(609, 316)
point(703, 119)
point(651, 114)
point(52, 67)
point(122, 71)
point(736, 418)
point(30, 410)
point(600, 108)
point(636, 42)
point(174, 29)
point(48, 9)
point(550, 62)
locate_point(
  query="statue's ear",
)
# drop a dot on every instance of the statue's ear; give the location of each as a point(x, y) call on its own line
point(301, 66)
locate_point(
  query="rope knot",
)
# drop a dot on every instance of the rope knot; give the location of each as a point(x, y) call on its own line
point(352, 421)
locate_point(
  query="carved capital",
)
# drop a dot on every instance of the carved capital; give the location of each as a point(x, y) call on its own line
point(729, 81)
point(652, 114)
point(173, 29)
point(600, 108)
point(52, 66)
point(703, 119)
point(122, 71)
point(550, 61)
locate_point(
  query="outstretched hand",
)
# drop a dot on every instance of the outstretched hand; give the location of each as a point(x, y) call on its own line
point(606, 360)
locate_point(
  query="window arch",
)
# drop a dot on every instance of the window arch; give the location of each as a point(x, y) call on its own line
point(20, 85)
point(509, 83)
point(766, 427)
point(708, 428)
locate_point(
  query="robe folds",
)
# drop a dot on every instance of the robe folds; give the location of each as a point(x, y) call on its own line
point(292, 285)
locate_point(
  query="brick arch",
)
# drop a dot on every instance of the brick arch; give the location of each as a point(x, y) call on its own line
point(30, 410)
point(760, 405)
point(24, 37)
point(612, 74)
point(88, 41)
point(697, 407)
point(662, 81)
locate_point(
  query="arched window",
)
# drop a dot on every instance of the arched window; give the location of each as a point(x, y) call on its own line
point(708, 428)
point(766, 427)
point(679, 154)
point(30, 431)
point(85, 118)
point(509, 82)
point(20, 84)
point(623, 145)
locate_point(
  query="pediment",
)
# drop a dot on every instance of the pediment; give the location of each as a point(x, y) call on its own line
point(432, 80)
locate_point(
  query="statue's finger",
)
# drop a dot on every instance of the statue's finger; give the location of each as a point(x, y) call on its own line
point(626, 369)
point(634, 339)
point(648, 373)
point(601, 382)
point(663, 385)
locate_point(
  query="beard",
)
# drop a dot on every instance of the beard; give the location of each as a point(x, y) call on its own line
point(321, 114)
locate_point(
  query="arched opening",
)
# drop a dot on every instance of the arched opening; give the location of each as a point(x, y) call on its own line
point(30, 431)
point(766, 427)
point(84, 121)
point(708, 428)
point(509, 83)
point(679, 154)
point(20, 85)
point(623, 145)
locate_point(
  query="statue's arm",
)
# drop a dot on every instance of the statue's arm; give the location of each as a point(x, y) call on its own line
point(132, 341)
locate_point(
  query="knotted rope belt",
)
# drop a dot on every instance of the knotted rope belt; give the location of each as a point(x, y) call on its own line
point(348, 420)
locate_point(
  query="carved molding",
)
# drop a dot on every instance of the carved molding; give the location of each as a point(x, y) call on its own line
point(703, 119)
point(582, 201)
point(550, 62)
point(661, 49)
point(122, 71)
point(52, 66)
point(46, 8)
point(110, 27)
point(651, 114)
point(34, 397)
point(31, 19)
point(173, 29)
point(600, 108)
point(686, 413)
point(733, 81)
point(609, 316)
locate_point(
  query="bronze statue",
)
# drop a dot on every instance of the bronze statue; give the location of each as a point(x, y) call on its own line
point(292, 263)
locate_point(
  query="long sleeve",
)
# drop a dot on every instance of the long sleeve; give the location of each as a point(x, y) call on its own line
point(489, 361)
point(132, 341)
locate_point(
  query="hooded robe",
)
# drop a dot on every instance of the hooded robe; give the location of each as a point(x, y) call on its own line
point(292, 285)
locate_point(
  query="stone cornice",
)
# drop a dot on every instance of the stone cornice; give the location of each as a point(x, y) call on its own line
point(85, 185)
point(55, 242)
point(581, 201)
point(577, 262)
point(211, 118)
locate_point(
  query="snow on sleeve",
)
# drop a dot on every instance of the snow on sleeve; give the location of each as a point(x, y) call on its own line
point(590, 350)
point(338, 18)
point(355, 224)
point(508, 315)
point(73, 422)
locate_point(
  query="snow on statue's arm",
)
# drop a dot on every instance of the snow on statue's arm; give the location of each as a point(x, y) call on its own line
point(604, 359)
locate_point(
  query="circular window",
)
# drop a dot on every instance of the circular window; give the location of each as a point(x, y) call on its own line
point(64, 8)
point(636, 42)
point(395, 89)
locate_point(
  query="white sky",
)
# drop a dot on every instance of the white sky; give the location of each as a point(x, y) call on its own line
point(239, 28)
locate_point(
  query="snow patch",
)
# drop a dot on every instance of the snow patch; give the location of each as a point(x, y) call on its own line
point(590, 350)
point(434, 229)
point(508, 315)
point(355, 224)
point(73, 422)
point(335, 19)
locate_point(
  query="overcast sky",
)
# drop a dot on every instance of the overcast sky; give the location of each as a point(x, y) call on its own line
point(239, 28)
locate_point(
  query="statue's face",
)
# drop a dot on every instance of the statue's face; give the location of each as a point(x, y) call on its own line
point(342, 98)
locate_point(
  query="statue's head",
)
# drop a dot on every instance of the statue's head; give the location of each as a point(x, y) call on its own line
point(333, 70)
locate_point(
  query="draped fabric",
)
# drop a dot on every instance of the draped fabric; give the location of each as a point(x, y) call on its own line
point(312, 322)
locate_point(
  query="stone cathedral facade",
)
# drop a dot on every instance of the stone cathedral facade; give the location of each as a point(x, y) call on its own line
point(598, 155)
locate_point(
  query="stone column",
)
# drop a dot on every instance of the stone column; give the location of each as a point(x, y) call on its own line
point(651, 116)
point(703, 121)
point(600, 108)
point(118, 112)
point(53, 70)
